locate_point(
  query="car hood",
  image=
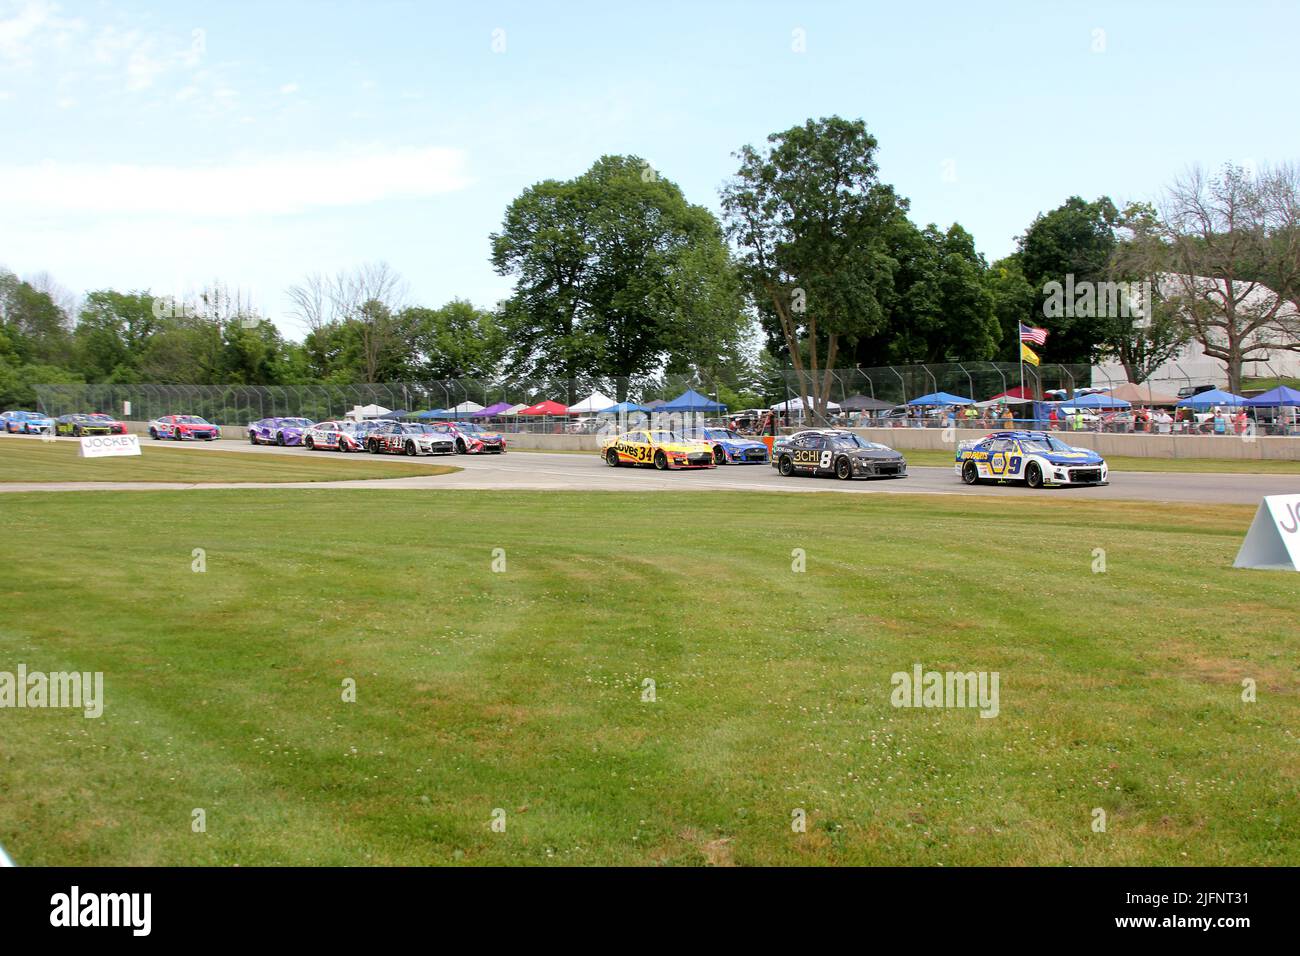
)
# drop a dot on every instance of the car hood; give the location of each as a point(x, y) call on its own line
point(876, 454)
point(1081, 457)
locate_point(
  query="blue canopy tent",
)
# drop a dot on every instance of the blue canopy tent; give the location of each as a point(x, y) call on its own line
point(1096, 400)
point(941, 398)
point(433, 413)
point(1276, 398)
point(692, 401)
point(1215, 396)
point(623, 408)
point(392, 416)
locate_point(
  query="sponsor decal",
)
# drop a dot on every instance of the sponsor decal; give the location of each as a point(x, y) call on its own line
point(109, 446)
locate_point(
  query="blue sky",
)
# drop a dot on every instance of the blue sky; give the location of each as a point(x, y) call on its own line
point(165, 145)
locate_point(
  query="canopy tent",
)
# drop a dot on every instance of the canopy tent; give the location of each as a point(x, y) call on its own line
point(595, 402)
point(1003, 399)
point(1096, 400)
point(1276, 398)
point(941, 398)
point(514, 409)
point(797, 404)
point(365, 411)
point(861, 403)
point(466, 407)
point(692, 401)
point(1215, 396)
point(623, 408)
point(431, 413)
point(654, 404)
point(1141, 395)
point(393, 415)
point(1021, 392)
point(498, 409)
point(547, 407)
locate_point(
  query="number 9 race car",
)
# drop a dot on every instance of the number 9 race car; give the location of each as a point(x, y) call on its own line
point(840, 453)
point(664, 449)
point(1036, 458)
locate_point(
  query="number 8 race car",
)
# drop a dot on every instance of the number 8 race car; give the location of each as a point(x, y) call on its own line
point(1036, 458)
point(664, 449)
point(843, 454)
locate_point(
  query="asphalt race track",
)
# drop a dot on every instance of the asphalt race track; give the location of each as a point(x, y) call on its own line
point(587, 472)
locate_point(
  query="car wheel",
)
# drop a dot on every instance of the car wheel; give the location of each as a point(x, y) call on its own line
point(76, 431)
point(279, 439)
point(372, 446)
point(252, 439)
point(153, 433)
point(661, 461)
point(342, 446)
point(611, 458)
point(460, 447)
point(785, 466)
point(719, 456)
point(310, 443)
point(970, 473)
point(844, 469)
point(178, 436)
point(410, 449)
point(1033, 475)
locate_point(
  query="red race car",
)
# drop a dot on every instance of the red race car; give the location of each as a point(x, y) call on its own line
point(182, 427)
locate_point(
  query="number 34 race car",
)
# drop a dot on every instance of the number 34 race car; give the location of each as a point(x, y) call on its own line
point(664, 449)
point(1036, 458)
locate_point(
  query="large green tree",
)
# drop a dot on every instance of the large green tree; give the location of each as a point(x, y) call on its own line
point(456, 341)
point(616, 275)
point(813, 221)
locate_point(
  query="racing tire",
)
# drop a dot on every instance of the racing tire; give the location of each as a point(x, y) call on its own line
point(342, 446)
point(178, 436)
point(611, 458)
point(372, 446)
point(719, 455)
point(785, 466)
point(1033, 475)
point(310, 443)
point(460, 447)
point(970, 474)
point(252, 439)
point(76, 431)
point(411, 450)
point(661, 461)
point(153, 433)
point(279, 439)
point(844, 469)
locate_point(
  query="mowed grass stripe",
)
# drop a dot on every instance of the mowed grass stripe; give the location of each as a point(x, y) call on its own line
point(523, 690)
point(24, 460)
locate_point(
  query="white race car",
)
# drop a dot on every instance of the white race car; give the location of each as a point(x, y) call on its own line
point(1037, 458)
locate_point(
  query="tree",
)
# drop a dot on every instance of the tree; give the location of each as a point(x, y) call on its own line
point(37, 328)
point(1233, 250)
point(111, 333)
point(615, 274)
point(1070, 246)
point(456, 341)
point(1014, 301)
point(811, 219)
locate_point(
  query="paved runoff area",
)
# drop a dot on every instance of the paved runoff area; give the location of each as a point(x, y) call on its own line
point(528, 470)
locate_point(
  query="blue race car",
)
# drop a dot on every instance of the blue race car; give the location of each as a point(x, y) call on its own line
point(27, 423)
point(732, 448)
point(1037, 458)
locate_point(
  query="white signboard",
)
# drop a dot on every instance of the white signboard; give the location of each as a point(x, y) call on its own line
point(1273, 541)
point(107, 446)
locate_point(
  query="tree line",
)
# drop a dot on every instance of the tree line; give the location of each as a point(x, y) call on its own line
point(813, 265)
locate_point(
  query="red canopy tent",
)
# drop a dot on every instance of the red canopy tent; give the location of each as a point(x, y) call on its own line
point(547, 407)
point(1020, 391)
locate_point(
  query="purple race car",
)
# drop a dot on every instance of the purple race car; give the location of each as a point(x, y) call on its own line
point(278, 431)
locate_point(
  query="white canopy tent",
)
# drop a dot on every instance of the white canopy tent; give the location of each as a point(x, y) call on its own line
point(515, 409)
point(595, 402)
point(468, 407)
point(796, 404)
point(360, 412)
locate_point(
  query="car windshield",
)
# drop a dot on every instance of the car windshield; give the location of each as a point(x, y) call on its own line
point(663, 438)
point(721, 434)
point(1046, 443)
point(294, 421)
point(99, 417)
point(191, 420)
point(854, 441)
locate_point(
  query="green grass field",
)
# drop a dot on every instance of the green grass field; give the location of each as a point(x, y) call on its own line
point(27, 460)
point(522, 691)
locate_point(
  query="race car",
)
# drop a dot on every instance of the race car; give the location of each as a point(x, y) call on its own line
point(27, 423)
point(115, 427)
point(335, 436)
point(181, 427)
point(80, 423)
point(397, 439)
point(277, 431)
point(472, 438)
point(1036, 458)
point(843, 454)
point(665, 450)
point(732, 448)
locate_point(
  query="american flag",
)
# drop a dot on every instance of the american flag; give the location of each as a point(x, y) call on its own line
point(1030, 334)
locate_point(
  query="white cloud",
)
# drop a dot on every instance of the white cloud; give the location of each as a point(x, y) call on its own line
point(34, 25)
point(289, 89)
point(265, 186)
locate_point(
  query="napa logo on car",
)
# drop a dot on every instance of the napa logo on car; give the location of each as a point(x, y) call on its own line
point(109, 446)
